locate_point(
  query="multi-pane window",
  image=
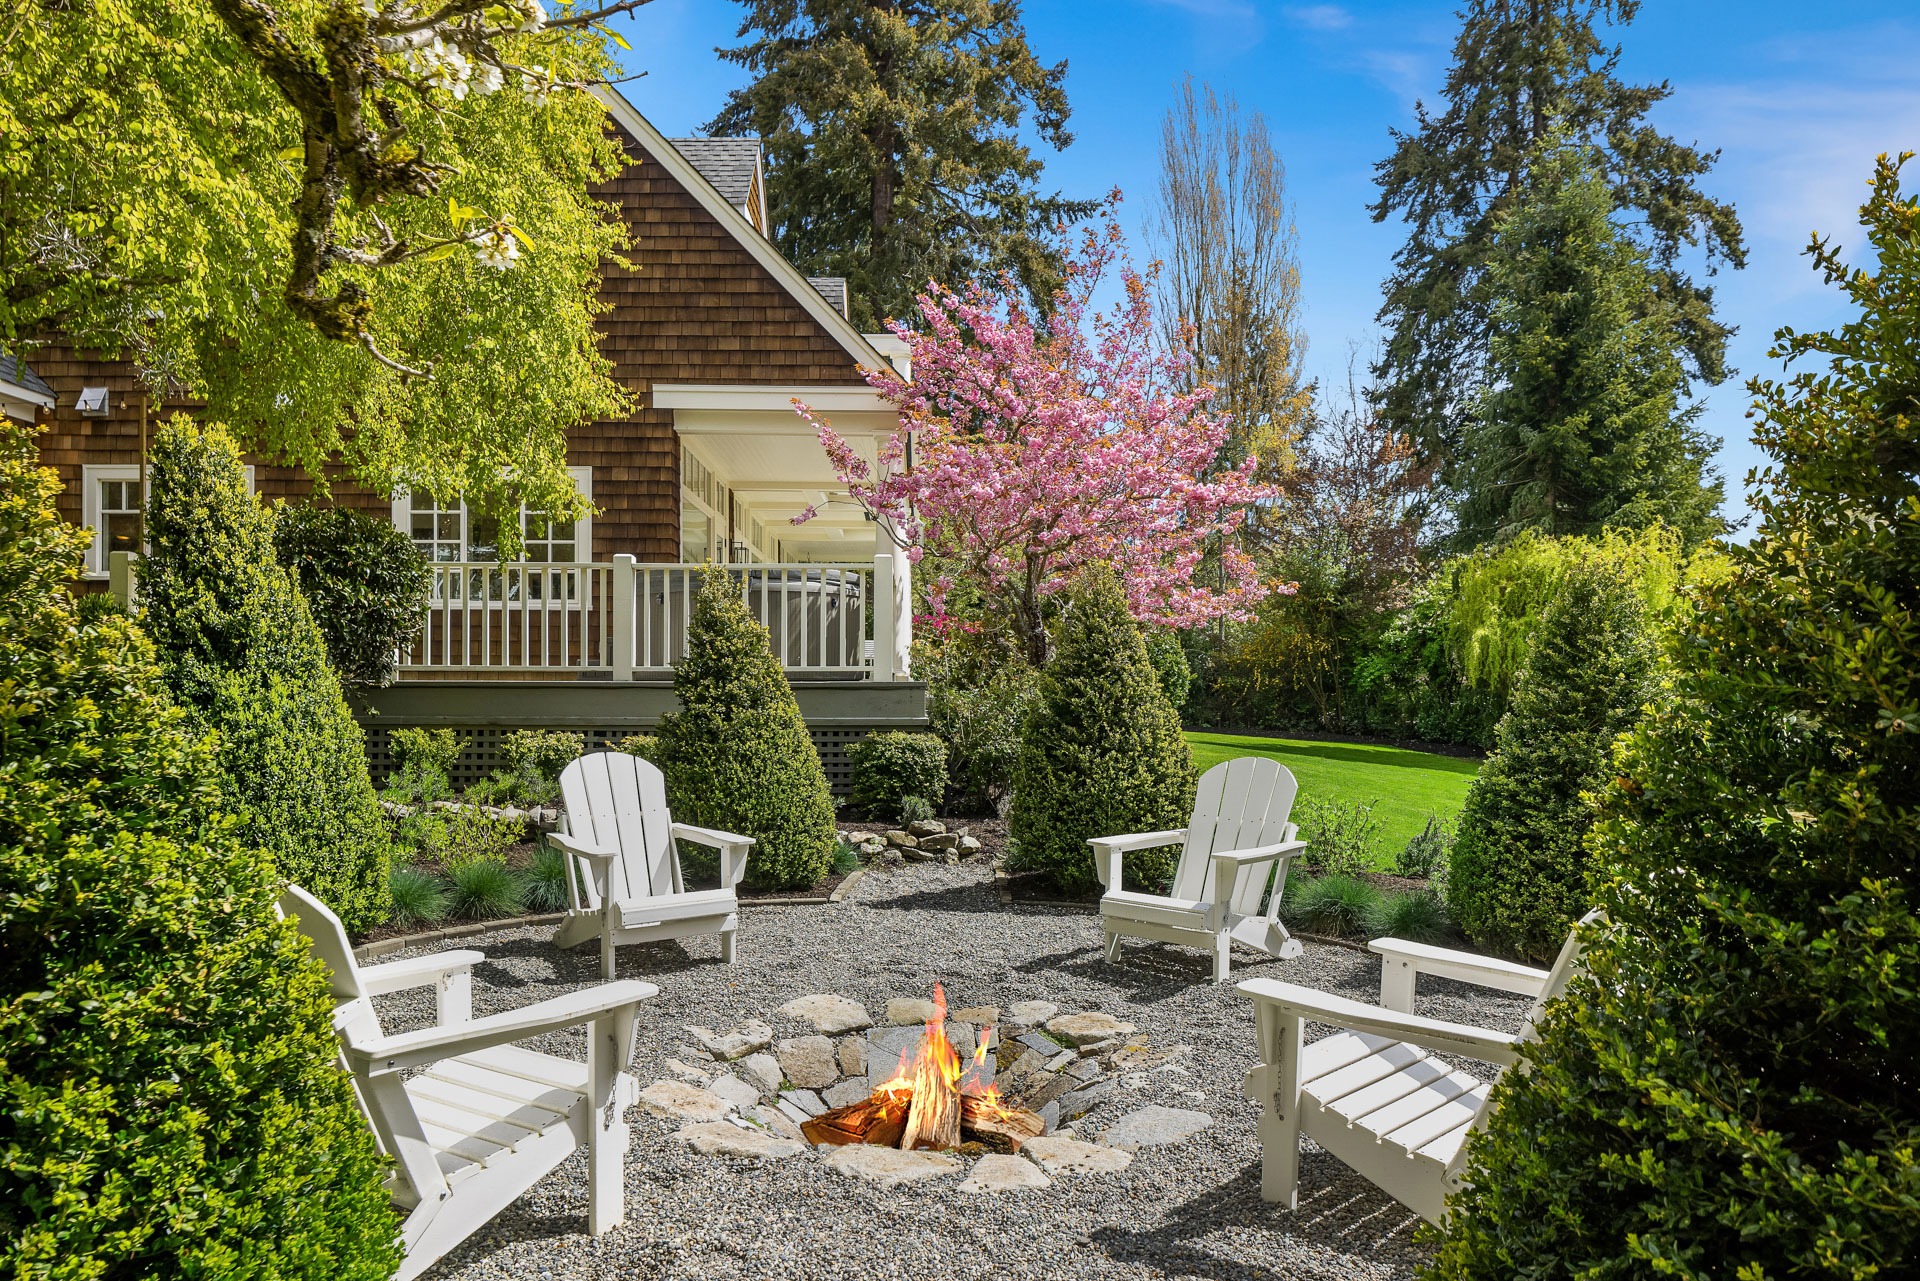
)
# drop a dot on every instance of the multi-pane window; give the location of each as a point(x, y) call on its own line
point(110, 505)
point(439, 531)
point(445, 531)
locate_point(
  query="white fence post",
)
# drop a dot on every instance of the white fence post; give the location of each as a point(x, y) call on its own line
point(884, 614)
point(902, 615)
point(625, 574)
point(120, 577)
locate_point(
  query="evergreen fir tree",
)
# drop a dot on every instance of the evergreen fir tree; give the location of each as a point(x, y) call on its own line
point(1517, 876)
point(242, 654)
point(896, 148)
point(1582, 425)
point(1101, 753)
point(1520, 69)
point(737, 756)
point(1731, 1093)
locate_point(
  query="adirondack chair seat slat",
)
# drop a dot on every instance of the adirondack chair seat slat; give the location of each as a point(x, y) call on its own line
point(624, 882)
point(1234, 856)
point(516, 1061)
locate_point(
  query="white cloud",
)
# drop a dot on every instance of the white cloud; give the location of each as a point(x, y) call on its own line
point(1319, 17)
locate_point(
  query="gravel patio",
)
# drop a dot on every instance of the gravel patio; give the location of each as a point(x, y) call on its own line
point(1190, 1209)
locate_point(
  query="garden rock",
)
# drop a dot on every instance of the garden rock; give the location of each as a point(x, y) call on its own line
point(722, 1138)
point(903, 1010)
point(1087, 1029)
point(1032, 1011)
point(680, 1101)
point(1155, 1127)
point(762, 1070)
point(924, 827)
point(734, 1090)
point(686, 1071)
point(829, 1013)
point(853, 1056)
point(807, 1101)
point(902, 840)
point(776, 1121)
point(808, 1061)
point(1077, 1104)
point(1057, 1154)
point(1004, 1174)
point(943, 844)
point(970, 845)
point(889, 1167)
point(847, 1093)
point(744, 1040)
point(983, 1015)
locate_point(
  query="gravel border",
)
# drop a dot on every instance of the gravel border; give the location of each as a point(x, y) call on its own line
point(1188, 1210)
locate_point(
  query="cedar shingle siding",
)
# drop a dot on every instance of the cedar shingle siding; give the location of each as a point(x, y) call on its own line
point(695, 308)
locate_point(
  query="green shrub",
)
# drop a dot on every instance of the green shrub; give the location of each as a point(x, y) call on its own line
point(1731, 1093)
point(1169, 659)
point(421, 834)
point(419, 897)
point(1101, 753)
point(474, 836)
point(364, 580)
point(846, 857)
point(645, 746)
point(976, 704)
point(1425, 855)
point(544, 881)
point(524, 786)
point(544, 752)
point(1517, 874)
point(1417, 916)
point(737, 756)
point(484, 890)
point(1341, 836)
point(242, 655)
point(1339, 905)
point(892, 765)
point(915, 809)
point(170, 1100)
point(426, 758)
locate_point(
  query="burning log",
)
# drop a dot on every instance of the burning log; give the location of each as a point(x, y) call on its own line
point(989, 1117)
point(878, 1120)
point(934, 1119)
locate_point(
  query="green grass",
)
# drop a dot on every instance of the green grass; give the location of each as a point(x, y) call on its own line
point(1407, 786)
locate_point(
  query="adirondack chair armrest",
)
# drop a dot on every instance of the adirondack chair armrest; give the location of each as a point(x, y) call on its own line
point(574, 845)
point(1402, 962)
point(732, 846)
point(416, 971)
point(1108, 849)
point(411, 1050)
point(1229, 861)
point(1305, 1003)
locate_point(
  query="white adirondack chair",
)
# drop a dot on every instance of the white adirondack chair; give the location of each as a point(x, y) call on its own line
point(1238, 834)
point(623, 880)
point(1373, 1093)
point(470, 1119)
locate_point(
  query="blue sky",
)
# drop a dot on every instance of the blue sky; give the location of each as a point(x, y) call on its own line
point(1798, 98)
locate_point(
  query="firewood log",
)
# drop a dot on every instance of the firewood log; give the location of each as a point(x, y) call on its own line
point(934, 1119)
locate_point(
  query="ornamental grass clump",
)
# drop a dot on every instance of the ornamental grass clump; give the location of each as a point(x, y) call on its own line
point(242, 655)
point(170, 1100)
point(1419, 916)
point(1338, 904)
point(1731, 1093)
point(1101, 753)
point(419, 897)
point(737, 756)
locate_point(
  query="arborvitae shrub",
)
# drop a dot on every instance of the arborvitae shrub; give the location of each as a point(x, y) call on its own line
point(1517, 874)
point(364, 580)
point(736, 755)
point(1101, 753)
point(890, 766)
point(170, 1101)
point(1733, 1093)
point(242, 655)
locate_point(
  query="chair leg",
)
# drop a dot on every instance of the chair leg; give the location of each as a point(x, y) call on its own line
point(1113, 948)
point(606, 954)
point(606, 1129)
point(1222, 956)
point(1280, 1039)
point(1279, 1159)
point(726, 947)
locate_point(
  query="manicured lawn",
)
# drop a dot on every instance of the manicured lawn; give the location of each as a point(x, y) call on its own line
point(1406, 786)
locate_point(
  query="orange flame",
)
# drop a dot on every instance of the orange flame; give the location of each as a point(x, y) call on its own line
point(933, 1049)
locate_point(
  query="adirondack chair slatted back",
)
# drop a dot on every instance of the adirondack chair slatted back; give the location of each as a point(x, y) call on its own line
point(383, 1100)
point(618, 800)
point(1241, 804)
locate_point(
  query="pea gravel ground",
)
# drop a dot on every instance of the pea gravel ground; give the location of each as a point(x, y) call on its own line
point(1190, 1210)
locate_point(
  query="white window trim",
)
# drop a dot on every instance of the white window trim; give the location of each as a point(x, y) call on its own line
point(582, 528)
point(91, 474)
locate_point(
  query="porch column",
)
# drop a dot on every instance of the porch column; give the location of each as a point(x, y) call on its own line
point(902, 614)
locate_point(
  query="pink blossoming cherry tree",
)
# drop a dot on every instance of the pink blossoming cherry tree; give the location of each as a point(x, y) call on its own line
point(1038, 450)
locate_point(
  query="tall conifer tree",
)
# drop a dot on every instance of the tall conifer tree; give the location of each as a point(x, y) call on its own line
point(894, 143)
point(1520, 69)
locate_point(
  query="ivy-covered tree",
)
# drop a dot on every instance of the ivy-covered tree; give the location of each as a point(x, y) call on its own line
point(1732, 1093)
point(1520, 69)
point(1582, 425)
point(897, 144)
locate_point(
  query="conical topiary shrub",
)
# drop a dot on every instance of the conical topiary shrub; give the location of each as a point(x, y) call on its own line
point(1733, 1092)
point(242, 654)
point(170, 1100)
point(1517, 875)
point(737, 756)
point(1101, 753)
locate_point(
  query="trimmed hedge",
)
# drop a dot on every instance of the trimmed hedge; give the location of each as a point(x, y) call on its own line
point(889, 767)
point(1101, 753)
point(544, 752)
point(365, 583)
point(736, 755)
point(241, 653)
point(170, 1101)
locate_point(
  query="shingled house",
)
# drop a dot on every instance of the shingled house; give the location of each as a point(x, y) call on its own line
point(715, 333)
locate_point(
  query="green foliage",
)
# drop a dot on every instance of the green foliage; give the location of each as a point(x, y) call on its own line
point(898, 145)
point(1340, 834)
point(365, 583)
point(1101, 753)
point(915, 809)
point(1169, 658)
point(976, 703)
point(241, 653)
point(846, 857)
point(645, 746)
point(737, 756)
point(471, 835)
point(1425, 856)
point(1340, 905)
point(169, 1084)
point(1582, 425)
point(544, 881)
point(1518, 73)
point(524, 786)
point(1518, 871)
point(419, 897)
point(157, 219)
point(545, 751)
point(1732, 1094)
point(484, 889)
point(1419, 916)
point(889, 766)
point(425, 751)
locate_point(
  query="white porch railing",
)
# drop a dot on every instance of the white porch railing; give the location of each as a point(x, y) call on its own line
point(836, 621)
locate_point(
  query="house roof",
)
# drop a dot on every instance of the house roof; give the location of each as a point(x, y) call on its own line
point(16, 371)
point(728, 163)
point(833, 289)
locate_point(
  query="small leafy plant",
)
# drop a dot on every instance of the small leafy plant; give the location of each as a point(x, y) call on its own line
point(1425, 856)
point(915, 809)
point(1341, 836)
